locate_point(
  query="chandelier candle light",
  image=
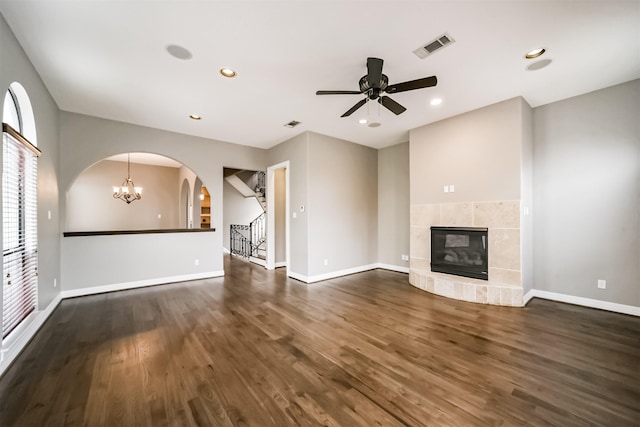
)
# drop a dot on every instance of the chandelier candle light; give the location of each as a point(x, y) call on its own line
point(127, 192)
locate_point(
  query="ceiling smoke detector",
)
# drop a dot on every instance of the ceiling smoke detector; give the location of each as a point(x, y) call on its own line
point(434, 45)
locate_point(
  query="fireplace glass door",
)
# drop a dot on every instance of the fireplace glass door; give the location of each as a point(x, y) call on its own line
point(460, 251)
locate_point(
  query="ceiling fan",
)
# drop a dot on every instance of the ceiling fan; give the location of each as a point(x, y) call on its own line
point(375, 83)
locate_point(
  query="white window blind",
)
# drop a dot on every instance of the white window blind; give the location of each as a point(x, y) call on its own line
point(20, 228)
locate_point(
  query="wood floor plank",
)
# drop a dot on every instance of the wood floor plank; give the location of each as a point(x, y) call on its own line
point(256, 348)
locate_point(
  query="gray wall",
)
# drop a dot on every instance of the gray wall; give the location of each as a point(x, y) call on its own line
point(91, 206)
point(478, 152)
point(296, 151)
point(587, 190)
point(89, 261)
point(393, 205)
point(237, 210)
point(343, 205)
point(86, 140)
point(526, 199)
point(15, 66)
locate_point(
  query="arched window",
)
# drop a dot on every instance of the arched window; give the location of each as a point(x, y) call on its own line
point(11, 111)
point(19, 210)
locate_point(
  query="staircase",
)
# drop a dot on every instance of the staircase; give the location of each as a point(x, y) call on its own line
point(250, 241)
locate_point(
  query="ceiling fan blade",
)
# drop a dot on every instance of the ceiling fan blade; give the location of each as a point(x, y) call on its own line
point(355, 107)
point(392, 105)
point(374, 72)
point(338, 92)
point(413, 84)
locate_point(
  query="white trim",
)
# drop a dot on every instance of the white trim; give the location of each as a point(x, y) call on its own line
point(226, 251)
point(528, 296)
point(280, 264)
point(397, 268)
point(139, 284)
point(586, 302)
point(297, 276)
point(271, 221)
point(18, 342)
point(333, 274)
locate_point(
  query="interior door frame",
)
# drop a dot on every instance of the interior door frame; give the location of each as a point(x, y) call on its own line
point(271, 221)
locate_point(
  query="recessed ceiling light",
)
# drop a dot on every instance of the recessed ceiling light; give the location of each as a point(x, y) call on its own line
point(178, 51)
point(436, 101)
point(227, 72)
point(194, 117)
point(363, 121)
point(535, 53)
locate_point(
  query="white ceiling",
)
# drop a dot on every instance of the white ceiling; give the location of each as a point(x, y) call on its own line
point(146, 159)
point(109, 59)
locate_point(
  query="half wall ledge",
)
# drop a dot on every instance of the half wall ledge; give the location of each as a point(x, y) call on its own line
point(121, 232)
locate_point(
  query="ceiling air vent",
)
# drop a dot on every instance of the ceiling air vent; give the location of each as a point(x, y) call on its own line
point(291, 124)
point(433, 46)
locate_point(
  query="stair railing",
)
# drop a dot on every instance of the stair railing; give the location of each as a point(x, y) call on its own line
point(258, 232)
point(240, 243)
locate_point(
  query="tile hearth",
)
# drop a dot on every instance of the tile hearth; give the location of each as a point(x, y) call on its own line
point(502, 218)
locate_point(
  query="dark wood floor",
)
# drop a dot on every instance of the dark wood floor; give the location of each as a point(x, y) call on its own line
point(255, 348)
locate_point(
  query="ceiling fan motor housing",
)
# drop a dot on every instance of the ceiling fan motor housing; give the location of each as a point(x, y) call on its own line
point(373, 92)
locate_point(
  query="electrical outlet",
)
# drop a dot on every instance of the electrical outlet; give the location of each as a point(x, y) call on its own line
point(55, 282)
point(452, 188)
point(602, 284)
point(405, 257)
point(326, 262)
point(446, 189)
point(196, 262)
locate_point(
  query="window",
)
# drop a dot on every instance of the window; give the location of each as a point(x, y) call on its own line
point(19, 209)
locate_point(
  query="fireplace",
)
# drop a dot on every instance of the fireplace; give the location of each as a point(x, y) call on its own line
point(461, 251)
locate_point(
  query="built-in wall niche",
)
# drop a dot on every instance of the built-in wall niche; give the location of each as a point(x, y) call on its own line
point(168, 190)
point(205, 208)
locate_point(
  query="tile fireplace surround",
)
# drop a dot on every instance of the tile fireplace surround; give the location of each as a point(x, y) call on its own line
point(502, 218)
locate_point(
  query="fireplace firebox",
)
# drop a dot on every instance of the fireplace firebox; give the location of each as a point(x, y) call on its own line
point(461, 251)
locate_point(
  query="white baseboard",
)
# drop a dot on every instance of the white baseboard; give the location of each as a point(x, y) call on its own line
point(346, 272)
point(333, 274)
point(280, 264)
point(226, 251)
point(527, 297)
point(586, 302)
point(18, 342)
point(139, 284)
point(397, 268)
point(297, 276)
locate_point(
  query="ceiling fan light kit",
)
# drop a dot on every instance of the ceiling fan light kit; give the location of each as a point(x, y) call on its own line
point(375, 84)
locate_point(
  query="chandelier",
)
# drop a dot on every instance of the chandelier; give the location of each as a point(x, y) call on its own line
point(127, 192)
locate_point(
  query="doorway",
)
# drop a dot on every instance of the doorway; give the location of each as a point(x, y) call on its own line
point(278, 247)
